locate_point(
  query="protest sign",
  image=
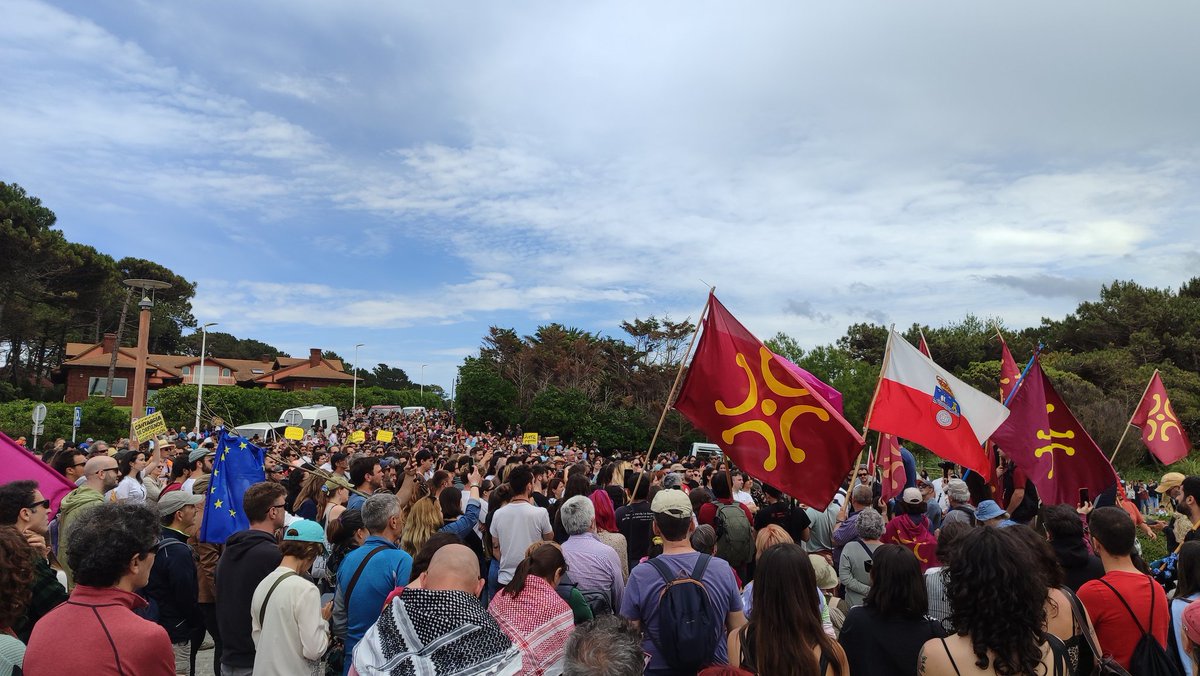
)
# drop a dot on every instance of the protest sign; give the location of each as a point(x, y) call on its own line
point(530, 439)
point(148, 427)
point(384, 435)
point(358, 436)
point(293, 433)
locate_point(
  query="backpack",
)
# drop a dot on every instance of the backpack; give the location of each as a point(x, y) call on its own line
point(1149, 658)
point(687, 633)
point(735, 541)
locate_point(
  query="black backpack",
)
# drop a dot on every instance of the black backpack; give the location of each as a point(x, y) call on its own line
point(687, 635)
point(1149, 658)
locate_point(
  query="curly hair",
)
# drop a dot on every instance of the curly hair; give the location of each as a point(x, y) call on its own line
point(16, 572)
point(997, 595)
point(106, 537)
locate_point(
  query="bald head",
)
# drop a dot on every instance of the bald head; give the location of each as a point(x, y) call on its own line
point(101, 473)
point(454, 567)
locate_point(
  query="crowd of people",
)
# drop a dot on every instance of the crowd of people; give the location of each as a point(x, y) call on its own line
point(448, 551)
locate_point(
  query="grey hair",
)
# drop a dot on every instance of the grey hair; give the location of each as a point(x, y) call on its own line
point(672, 480)
point(378, 510)
point(870, 524)
point(862, 494)
point(704, 539)
point(577, 515)
point(607, 646)
point(957, 491)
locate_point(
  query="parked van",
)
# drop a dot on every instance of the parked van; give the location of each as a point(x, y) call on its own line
point(306, 416)
point(267, 431)
point(384, 409)
point(705, 450)
point(413, 410)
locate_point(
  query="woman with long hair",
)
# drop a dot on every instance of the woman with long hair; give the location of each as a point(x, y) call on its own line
point(997, 596)
point(16, 574)
point(1061, 604)
point(1187, 590)
point(345, 534)
point(305, 504)
point(532, 614)
point(424, 519)
point(576, 485)
point(606, 528)
point(332, 499)
point(884, 635)
point(152, 481)
point(784, 635)
point(130, 464)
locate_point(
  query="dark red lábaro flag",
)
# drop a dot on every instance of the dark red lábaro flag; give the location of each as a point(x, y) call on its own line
point(891, 464)
point(1161, 431)
point(1010, 373)
point(1048, 443)
point(767, 419)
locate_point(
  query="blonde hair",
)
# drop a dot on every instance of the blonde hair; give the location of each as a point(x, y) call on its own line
point(769, 537)
point(424, 519)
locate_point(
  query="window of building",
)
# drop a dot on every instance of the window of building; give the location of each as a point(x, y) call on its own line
point(187, 370)
point(226, 373)
point(120, 387)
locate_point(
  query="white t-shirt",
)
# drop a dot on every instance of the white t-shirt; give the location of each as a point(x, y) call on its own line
point(516, 526)
point(293, 636)
point(132, 491)
point(744, 498)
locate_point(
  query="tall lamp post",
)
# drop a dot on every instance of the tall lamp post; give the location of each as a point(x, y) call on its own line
point(148, 287)
point(423, 382)
point(200, 390)
point(354, 400)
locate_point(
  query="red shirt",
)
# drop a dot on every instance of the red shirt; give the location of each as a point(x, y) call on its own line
point(1116, 630)
point(708, 512)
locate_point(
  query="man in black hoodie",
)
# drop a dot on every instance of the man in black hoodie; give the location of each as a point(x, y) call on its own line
point(248, 557)
point(1064, 527)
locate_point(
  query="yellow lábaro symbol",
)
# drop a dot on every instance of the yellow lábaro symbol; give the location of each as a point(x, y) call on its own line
point(768, 407)
point(1161, 418)
point(1050, 435)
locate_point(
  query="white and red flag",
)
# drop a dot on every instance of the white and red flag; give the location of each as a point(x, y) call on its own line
point(924, 403)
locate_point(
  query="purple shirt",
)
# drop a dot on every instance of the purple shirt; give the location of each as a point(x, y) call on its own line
point(646, 585)
point(594, 565)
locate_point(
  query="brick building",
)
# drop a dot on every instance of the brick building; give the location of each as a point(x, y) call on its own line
point(85, 370)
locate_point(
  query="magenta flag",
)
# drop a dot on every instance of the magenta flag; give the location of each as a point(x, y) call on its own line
point(17, 464)
point(832, 396)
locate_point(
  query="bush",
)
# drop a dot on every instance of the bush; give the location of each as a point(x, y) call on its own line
point(101, 420)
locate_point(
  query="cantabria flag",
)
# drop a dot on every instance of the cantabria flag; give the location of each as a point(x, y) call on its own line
point(924, 403)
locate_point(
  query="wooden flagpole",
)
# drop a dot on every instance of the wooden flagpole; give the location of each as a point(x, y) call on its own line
point(674, 386)
point(1130, 423)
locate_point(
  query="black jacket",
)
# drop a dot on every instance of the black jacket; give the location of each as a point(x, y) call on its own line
point(248, 557)
point(1078, 566)
point(173, 587)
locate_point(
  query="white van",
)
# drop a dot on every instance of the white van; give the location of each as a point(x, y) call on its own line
point(413, 410)
point(267, 431)
point(700, 450)
point(306, 416)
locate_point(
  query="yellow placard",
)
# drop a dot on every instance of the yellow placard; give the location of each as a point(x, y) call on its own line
point(293, 433)
point(385, 436)
point(530, 439)
point(358, 436)
point(148, 427)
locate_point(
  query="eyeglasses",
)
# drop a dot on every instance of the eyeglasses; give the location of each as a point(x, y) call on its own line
point(79, 464)
point(279, 506)
point(44, 504)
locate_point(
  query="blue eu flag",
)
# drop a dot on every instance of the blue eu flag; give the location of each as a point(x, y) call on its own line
point(238, 465)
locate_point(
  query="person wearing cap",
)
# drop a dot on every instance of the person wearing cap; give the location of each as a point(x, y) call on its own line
point(289, 626)
point(199, 464)
point(958, 501)
point(910, 527)
point(1181, 522)
point(1190, 645)
point(173, 589)
point(673, 523)
point(990, 514)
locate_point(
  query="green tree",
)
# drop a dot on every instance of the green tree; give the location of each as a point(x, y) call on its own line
point(484, 395)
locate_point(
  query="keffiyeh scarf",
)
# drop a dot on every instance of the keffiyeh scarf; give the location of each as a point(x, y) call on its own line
point(424, 632)
point(538, 621)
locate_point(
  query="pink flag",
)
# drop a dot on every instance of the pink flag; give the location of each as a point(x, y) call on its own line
point(16, 464)
point(832, 396)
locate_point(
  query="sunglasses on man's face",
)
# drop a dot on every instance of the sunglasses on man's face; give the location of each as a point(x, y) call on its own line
point(44, 504)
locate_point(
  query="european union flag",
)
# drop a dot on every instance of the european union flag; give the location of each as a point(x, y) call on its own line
point(238, 465)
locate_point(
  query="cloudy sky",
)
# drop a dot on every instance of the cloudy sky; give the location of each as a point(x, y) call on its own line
point(405, 174)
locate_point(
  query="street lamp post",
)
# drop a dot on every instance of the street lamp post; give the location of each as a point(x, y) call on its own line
point(354, 396)
point(200, 389)
point(423, 382)
point(148, 287)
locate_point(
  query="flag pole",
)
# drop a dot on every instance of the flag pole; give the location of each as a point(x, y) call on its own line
point(1130, 423)
point(1024, 372)
point(674, 386)
point(887, 355)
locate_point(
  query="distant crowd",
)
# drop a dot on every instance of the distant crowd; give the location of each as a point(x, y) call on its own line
point(453, 551)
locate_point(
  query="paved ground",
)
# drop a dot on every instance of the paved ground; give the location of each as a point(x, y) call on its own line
point(204, 663)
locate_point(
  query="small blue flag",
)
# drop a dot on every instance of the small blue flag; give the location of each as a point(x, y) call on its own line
point(238, 465)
